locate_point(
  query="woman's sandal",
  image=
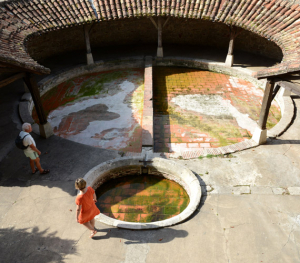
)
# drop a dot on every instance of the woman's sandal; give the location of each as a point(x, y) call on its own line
point(46, 171)
point(36, 169)
point(94, 233)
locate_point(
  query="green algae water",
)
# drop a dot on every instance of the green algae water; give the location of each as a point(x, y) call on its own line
point(141, 198)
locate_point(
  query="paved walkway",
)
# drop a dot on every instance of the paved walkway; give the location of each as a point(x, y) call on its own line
point(251, 213)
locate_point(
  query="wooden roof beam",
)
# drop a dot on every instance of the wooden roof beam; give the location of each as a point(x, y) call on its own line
point(11, 79)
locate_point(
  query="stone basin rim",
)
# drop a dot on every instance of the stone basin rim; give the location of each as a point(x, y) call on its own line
point(170, 169)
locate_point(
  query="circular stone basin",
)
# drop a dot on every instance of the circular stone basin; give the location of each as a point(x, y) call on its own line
point(102, 109)
point(141, 198)
point(111, 178)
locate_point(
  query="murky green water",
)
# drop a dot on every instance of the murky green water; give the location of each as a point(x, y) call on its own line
point(141, 198)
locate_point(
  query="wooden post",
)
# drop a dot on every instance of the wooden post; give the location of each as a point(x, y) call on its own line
point(266, 104)
point(35, 93)
point(159, 37)
point(260, 133)
point(229, 58)
point(89, 55)
point(45, 129)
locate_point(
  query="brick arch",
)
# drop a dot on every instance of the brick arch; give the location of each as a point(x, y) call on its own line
point(278, 21)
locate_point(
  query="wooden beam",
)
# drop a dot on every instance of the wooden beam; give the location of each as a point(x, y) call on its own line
point(159, 38)
point(90, 59)
point(277, 87)
point(8, 70)
point(231, 43)
point(166, 22)
point(87, 39)
point(266, 104)
point(290, 86)
point(11, 79)
point(35, 93)
point(159, 29)
point(278, 75)
point(152, 20)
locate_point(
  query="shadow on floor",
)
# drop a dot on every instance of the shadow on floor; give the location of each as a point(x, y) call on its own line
point(66, 160)
point(32, 245)
point(163, 235)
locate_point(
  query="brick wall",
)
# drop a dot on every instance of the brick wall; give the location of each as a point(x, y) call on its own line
point(142, 31)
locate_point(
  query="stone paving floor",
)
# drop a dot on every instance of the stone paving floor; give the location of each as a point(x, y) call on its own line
point(37, 213)
point(99, 109)
point(196, 109)
point(141, 198)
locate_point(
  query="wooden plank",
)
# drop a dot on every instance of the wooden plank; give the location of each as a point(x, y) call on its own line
point(11, 79)
point(87, 39)
point(8, 70)
point(159, 31)
point(258, 75)
point(290, 86)
point(152, 20)
point(231, 42)
point(266, 104)
point(35, 93)
point(277, 87)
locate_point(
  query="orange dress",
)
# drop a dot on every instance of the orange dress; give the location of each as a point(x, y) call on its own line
point(88, 207)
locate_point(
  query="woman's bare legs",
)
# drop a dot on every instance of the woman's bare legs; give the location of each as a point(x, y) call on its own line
point(88, 225)
point(93, 223)
point(91, 226)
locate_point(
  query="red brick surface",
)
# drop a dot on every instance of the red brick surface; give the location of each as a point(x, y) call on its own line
point(178, 130)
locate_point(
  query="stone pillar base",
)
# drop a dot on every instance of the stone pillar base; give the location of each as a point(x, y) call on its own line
point(229, 60)
point(260, 136)
point(89, 58)
point(46, 130)
point(160, 52)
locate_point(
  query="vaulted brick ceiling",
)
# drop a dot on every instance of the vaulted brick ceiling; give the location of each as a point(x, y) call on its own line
point(277, 20)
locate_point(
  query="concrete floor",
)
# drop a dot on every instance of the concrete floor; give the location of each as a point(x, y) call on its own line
point(251, 214)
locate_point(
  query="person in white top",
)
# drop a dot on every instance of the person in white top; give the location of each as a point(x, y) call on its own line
point(32, 152)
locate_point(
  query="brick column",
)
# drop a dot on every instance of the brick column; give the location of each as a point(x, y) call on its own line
point(147, 121)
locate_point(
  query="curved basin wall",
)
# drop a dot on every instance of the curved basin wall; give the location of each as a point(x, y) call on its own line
point(169, 169)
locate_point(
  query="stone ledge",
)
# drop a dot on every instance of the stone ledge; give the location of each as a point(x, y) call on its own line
point(249, 189)
point(286, 119)
point(53, 80)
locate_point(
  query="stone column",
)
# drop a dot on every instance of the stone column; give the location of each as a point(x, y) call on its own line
point(230, 57)
point(260, 133)
point(44, 126)
point(159, 37)
point(89, 55)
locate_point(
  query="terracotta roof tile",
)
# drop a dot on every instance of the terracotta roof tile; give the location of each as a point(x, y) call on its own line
point(273, 19)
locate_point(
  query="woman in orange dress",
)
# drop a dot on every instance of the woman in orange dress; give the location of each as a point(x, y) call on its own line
point(86, 207)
